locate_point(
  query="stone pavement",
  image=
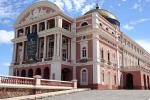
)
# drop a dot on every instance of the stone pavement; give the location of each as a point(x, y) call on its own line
point(104, 95)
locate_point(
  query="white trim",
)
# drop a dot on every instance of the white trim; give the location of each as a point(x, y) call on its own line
point(81, 82)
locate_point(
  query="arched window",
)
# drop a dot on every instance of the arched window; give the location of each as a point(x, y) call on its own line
point(30, 73)
point(144, 76)
point(84, 54)
point(84, 76)
point(38, 71)
point(23, 73)
point(84, 24)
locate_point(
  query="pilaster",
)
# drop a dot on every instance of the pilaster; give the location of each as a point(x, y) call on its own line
point(96, 59)
point(96, 52)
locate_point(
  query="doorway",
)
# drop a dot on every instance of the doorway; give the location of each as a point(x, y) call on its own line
point(129, 81)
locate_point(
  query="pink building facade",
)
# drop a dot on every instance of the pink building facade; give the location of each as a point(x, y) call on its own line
point(90, 49)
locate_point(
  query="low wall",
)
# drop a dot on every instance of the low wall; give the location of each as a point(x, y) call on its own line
point(12, 86)
point(13, 92)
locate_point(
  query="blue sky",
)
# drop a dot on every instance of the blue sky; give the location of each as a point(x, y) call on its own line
point(133, 15)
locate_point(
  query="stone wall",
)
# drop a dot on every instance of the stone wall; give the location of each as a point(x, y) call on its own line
point(12, 92)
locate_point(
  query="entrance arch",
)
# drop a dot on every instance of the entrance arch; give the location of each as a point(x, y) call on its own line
point(38, 71)
point(23, 73)
point(144, 76)
point(30, 73)
point(66, 74)
point(46, 73)
point(129, 81)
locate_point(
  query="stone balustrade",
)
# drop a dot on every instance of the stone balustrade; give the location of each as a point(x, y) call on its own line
point(36, 82)
point(16, 80)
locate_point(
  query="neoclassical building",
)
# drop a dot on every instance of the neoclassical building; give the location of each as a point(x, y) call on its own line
point(91, 49)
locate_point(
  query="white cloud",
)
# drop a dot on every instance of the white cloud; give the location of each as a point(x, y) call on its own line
point(144, 44)
point(6, 36)
point(87, 8)
point(78, 4)
point(131, 25)
point(68, 4)
point(140, 21)
point(138, 6)
point(12, 7)
point(128, 27)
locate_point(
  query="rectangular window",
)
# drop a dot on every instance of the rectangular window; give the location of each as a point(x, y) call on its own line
point(41, 26)
point(50, 23)
point(34, 28)
point(20, 33)
point(27, 30)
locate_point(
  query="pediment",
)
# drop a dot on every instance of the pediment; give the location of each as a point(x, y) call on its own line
point(36, 11)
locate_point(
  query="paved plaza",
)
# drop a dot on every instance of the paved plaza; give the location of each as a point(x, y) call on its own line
point(105, 95)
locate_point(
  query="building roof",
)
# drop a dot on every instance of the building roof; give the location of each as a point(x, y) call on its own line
point(106, 14)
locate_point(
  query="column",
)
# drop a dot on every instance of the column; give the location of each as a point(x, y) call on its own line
point(55, 48)
point(59, 21)
point(30, 28)
point(24, 31)
point(55, 21)
point(58, 46)
point(45, 24)
point(60, 49)
point(22, 53)
point(14, 53)
point(37, 27)
point(44, 51)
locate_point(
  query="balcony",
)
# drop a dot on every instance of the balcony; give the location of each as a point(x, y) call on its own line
point(84, 60)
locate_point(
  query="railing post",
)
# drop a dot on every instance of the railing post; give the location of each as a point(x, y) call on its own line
point(37, 83)
point(74, 84)
point(37, 80)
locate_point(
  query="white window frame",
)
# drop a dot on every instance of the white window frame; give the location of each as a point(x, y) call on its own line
point(82, 45)
point(81, 82)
